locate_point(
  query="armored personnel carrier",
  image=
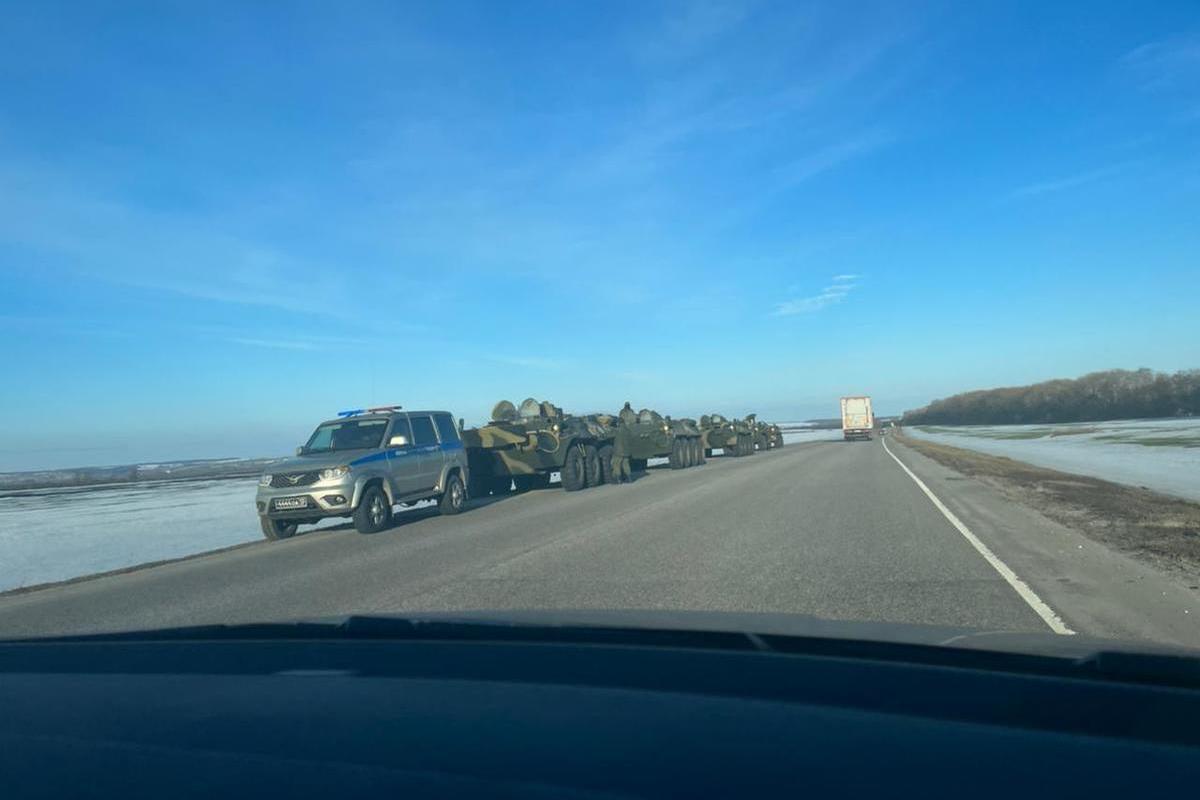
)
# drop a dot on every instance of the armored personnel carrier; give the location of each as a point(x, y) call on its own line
point(523, 445)
point(656, 436)
point(734, 437)
point(761, 433)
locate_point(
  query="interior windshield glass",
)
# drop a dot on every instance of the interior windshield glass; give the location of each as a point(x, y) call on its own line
point(880, 312)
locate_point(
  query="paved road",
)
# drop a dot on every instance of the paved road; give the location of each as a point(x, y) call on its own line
point(776, 532)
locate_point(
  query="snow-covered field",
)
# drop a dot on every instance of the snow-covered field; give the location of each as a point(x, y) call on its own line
point(57, 534)
point(1159, 454)
point(795, 437)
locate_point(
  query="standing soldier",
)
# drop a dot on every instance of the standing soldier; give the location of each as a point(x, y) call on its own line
point(621, 472)
point(628, 415)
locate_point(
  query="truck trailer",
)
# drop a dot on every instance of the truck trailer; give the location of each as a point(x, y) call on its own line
point(857, 420)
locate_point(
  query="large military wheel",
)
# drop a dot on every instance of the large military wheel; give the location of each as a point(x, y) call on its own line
point(749, 446)
point(675, 459)
point(574, 470)
point(734, 450)
point(605, 456)
point(697, 452)
point(591, 465)
point(689, 458)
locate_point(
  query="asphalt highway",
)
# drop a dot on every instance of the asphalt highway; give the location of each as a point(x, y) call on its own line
point(839, 530)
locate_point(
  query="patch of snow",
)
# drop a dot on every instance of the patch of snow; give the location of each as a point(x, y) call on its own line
point(1107, 450)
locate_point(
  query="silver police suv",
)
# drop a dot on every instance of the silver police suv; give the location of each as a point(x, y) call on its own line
point(360, 465)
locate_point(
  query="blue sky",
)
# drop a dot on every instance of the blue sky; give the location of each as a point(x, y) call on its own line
point(220, 223)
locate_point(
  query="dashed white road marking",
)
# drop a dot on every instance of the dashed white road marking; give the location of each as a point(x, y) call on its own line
point(1019, 586)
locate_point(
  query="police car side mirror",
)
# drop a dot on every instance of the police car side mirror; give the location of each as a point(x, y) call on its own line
point(300, 450)
point(399, 440)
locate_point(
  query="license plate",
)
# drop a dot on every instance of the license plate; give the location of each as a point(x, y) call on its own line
point(284, 503)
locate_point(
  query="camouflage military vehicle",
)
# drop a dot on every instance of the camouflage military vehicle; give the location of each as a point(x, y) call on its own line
point(774, 435)
point(521, 446)
point(656, 436)
point(758, 432)
point(734, 437)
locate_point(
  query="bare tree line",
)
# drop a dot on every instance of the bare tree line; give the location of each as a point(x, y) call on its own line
point(1111, 394)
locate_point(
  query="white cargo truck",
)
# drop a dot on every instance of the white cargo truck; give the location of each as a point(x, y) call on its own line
point(857, 420)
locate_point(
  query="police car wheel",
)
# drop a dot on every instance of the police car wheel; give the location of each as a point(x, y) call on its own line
point(373, 513)
point(453, 499)
point(276, 529)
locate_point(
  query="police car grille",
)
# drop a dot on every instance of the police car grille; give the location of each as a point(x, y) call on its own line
point(294, 479)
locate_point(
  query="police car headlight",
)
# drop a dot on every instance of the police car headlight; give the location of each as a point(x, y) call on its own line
point(333, 473)
point(265, 480)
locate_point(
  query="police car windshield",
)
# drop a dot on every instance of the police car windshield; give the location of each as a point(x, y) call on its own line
point(356, 434)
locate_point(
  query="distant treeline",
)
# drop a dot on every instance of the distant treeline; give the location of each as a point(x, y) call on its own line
point(1113, 394)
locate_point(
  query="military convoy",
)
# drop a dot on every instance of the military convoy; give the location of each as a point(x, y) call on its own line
point(369, 460)
point(523, 445)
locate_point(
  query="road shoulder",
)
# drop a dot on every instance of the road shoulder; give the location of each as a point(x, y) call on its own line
point(1094, 587)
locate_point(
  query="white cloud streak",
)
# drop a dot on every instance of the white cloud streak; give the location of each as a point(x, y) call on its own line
point(1067, 182)
point(839, 289)
point(1164, 64)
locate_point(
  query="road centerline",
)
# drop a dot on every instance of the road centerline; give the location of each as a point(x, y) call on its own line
point(1039, 606)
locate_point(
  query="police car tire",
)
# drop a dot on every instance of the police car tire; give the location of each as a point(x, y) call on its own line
point(276, 529)
point(362, 515)
point(454, 498)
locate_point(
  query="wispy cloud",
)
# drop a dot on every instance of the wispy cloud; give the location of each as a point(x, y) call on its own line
point(529, 362)
point(829, 157)
point(305, 343)
point(838, 290)
point(274, 344)
point(1164, 64)
point(1067, 182)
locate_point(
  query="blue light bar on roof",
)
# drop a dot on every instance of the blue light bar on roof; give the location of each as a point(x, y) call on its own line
point(355, 412)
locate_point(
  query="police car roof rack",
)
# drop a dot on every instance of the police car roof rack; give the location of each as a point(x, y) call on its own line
point(377, 409)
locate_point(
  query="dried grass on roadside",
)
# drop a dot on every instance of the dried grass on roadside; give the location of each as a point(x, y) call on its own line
point(1157, 528)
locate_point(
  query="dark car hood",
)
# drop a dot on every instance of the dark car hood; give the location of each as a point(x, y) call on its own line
point(801, 625)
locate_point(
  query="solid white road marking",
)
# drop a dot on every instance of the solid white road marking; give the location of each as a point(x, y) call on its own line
point(1028, 595)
